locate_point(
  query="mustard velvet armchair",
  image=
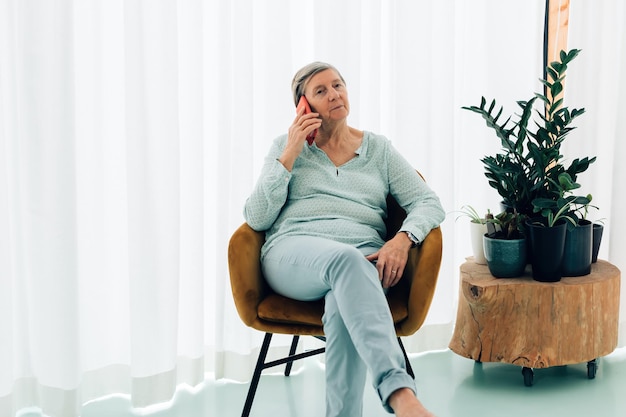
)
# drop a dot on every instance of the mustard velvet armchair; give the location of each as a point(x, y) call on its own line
point(264, 310)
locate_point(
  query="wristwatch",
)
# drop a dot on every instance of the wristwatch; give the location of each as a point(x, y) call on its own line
point(415, 241)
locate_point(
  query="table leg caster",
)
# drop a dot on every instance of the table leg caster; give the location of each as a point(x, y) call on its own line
point(592, 367)
point(528, 376)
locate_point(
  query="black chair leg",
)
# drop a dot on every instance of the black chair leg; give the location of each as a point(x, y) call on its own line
point(409, 368)
point(256, 376)
point(292, 351)
point(261, 365)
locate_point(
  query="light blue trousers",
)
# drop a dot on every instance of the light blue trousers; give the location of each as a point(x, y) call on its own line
point(360, 334)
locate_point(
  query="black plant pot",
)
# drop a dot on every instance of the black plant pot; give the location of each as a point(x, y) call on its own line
point(547, 246)
point(577, 251)
point(597, 239)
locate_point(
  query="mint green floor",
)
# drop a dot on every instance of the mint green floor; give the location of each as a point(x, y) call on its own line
point(448, 384)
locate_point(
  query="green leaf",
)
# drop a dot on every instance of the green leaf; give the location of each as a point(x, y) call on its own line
point(556, 89)
point(570, 55)
point(566, 182)
point(551, 73)
point(555, 106)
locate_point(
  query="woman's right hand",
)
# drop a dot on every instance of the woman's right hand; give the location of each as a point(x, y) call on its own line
point(302, 125)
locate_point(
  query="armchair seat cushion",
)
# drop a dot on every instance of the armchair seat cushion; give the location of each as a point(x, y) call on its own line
point(278, 309)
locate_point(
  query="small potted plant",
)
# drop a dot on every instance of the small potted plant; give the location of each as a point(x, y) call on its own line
point(578, 251)
point(548, 237)
point(478, 228)
point(505, 245)
point(598, 229)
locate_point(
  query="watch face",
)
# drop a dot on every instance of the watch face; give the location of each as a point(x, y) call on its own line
point(412, 238)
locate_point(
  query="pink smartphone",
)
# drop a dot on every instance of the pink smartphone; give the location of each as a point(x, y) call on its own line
point(307, 109)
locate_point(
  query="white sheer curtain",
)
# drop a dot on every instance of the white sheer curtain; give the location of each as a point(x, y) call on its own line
point(131, 132)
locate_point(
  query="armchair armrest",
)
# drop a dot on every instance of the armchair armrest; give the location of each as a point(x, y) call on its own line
point(246, 278)
point(421, 274)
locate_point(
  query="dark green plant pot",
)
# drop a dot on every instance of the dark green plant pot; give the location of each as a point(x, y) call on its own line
point(506, 207)
point(577, 251)
point(597, 239)
point(547, 245)
point(505, 258)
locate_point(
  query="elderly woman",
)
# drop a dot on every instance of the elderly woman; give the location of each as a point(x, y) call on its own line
point(322, 207)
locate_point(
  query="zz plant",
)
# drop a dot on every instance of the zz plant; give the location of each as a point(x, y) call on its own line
point(529, 173)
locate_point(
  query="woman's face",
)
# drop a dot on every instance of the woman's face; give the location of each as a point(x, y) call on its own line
point(327, 95)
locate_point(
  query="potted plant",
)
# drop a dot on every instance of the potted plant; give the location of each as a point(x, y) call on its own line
point(505, 245)
point(548, 237)
point(597, 227)
point(528, 172)
point(478, 227)
point(530, 165)
point(578, 251)
point(597, 230)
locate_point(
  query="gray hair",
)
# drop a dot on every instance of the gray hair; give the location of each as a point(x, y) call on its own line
point(302, 77)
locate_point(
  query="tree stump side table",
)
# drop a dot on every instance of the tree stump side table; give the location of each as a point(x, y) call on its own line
point(535, 324)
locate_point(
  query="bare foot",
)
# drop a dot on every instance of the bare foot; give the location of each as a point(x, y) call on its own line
point(405, 404)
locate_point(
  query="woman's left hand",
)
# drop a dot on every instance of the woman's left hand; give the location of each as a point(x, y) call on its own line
point(391, 259)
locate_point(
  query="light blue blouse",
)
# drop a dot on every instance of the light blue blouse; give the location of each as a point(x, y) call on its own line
point(345, 203)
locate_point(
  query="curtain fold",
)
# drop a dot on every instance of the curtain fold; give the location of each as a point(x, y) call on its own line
point(131, 133)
